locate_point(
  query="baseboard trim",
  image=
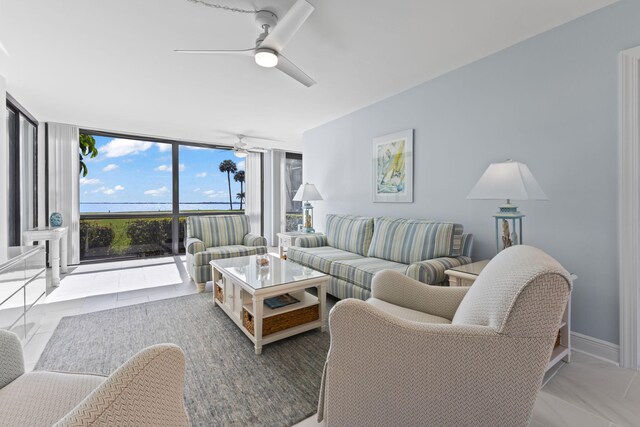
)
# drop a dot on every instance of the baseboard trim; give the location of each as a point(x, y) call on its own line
point(595, 347)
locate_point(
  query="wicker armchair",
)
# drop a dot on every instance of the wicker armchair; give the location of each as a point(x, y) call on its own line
point(146, 391)
point(415, 354)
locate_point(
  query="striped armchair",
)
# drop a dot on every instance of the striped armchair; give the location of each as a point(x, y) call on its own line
point(355, 248)
point(215, 237)
point(439, 356)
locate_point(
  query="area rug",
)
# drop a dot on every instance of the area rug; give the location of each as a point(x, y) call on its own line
point(226, 384)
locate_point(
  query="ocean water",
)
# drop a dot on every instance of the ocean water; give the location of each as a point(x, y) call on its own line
point(153, 207)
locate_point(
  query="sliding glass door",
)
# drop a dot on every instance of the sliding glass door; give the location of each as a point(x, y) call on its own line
point(137, 193)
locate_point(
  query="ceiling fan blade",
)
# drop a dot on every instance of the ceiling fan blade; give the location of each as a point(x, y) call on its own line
point(217, 52)
point(288, 68)
point(288, 26)
point(259, 138)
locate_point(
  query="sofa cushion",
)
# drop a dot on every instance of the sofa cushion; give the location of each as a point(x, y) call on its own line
point(42, 398)
point(407, 313)
point(231, 251)
point(360, 271)
point(218, 230)
point(411, 240)
point(349, 233)
point(319, 258)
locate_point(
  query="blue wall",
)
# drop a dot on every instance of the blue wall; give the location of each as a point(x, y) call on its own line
point(549, 102)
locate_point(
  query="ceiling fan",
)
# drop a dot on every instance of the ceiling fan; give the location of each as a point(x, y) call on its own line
point(241, 150)
point(274, 37)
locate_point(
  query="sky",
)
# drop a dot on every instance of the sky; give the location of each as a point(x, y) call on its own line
point(128, 170)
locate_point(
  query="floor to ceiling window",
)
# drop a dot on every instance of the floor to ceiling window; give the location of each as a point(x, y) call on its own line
point(22, 138)
point(292, 181)
point(137, 194)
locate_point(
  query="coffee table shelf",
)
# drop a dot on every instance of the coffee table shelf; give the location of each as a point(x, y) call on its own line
point(240, 288)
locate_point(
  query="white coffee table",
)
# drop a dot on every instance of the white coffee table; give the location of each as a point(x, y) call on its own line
point(240, 288)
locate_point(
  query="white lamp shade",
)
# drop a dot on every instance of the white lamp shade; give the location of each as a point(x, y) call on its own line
point(508, 180)
point(307, 192)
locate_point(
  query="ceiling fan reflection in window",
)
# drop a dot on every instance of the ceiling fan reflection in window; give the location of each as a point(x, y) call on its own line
point(273, 39)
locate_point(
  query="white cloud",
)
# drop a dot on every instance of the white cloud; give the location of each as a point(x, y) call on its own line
point(119, 147)
point(157, 192)
point(201, 174)
point(89, 181)
point(241, 165)
point(215, 193)
point(109, 191)
point(195, 190)
point(168, 168)
point(164, 147)
point(110, 167)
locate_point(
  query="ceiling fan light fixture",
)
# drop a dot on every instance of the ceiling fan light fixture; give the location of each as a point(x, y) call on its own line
point(266, 58)
point(241, 153)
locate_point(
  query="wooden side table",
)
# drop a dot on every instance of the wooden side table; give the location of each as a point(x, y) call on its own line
point(57, 237)
point(289, 239)
point(466, 274)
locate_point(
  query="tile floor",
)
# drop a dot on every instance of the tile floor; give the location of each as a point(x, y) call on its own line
point(586, 392)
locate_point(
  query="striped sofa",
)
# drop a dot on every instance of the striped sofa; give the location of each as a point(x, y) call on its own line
point(215, 237)
point(355, 248)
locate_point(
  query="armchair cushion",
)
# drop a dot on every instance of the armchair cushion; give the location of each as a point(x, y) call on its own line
point(42, 398)
point(254, 240)
point(412, 240)
point(312, 241)
point(432, 271)
point(360, 271)
point(319, 258)
point(203, 258)
point(218, 230)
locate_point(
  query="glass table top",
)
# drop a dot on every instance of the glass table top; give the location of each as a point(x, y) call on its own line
point(277, 273)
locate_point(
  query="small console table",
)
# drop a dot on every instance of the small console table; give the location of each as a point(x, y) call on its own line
point(465, 275)
point(57, 237)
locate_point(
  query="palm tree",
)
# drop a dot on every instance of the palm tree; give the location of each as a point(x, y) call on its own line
point(87, 148)
point(229, 166)
point(239, 177)
point(240, 196)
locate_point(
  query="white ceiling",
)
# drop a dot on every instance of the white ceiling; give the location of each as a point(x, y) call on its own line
point(110, 64)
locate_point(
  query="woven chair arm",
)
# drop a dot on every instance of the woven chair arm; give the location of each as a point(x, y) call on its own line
point(398, 289)
point(11, 357)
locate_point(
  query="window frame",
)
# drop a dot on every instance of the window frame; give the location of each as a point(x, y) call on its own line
point(15, 211)
point(174, 213)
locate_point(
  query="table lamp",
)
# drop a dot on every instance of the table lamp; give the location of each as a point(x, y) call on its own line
point(307, 192)
point(511, 181)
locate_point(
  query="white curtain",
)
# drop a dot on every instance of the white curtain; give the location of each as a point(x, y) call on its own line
point(64, 182)
point(253, 208)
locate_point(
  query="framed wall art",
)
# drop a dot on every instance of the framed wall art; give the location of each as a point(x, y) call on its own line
point(393, 167)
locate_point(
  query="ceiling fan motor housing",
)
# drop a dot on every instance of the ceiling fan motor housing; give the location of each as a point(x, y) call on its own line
point(266, 17)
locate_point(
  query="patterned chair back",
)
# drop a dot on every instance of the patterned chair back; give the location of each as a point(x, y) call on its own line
point(521, 292)
point(218, 230)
